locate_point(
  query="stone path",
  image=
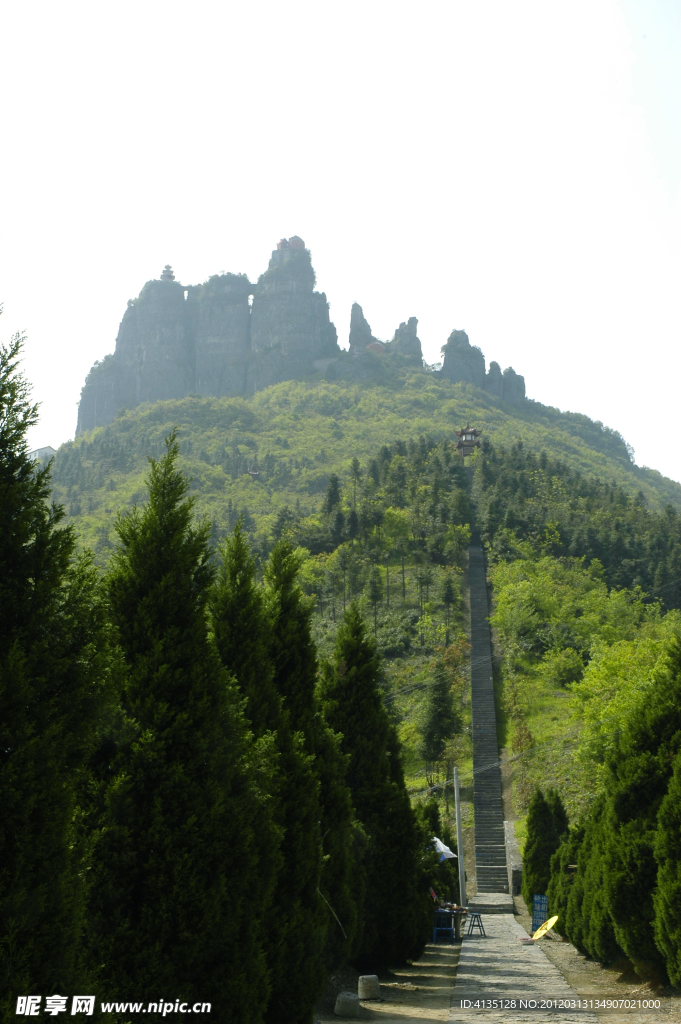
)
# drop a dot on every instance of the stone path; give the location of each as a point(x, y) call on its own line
point(490, 848)
point(498, 967)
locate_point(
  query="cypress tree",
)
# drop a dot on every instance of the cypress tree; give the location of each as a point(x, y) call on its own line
point(186, 833)
point(639, 771)
point(563, 876)
point(396, 913)
point(540, 846)
point(329, 900)
point(54, 670)
point(561, 822)
point(667, 896)
point(264, 638)
point(589, 923)
point(241, 627)
point(442, 876)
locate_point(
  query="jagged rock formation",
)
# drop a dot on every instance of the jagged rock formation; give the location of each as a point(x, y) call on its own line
point(175, 340)
point(205, 339)
point(290, 326)
point(360, 332)
point(465, 362)
point(405, 340)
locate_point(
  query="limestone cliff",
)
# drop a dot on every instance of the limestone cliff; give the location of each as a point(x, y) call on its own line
point(360, 331)
point(220, 318)
point(465, 362)
point(290, 327)
point(154, 357)
point(405, 341)
point(175, 340)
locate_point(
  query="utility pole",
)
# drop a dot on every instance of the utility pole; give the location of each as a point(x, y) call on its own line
point(459, 841)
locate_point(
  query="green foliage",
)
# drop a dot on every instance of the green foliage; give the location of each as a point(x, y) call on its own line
point(296, 434)
point(543, 504)
point(615, 683)
point(639, 772)
point(667, 894)
point(561, 823)
point(540, 845)
point(241, 627)
point(589, 923)
point(623, 895)
point(563, 868)
point(264, 638)
point(441, 876)
point(54, 691)
point(571, 651)
point(547, 607)
point(396, 912)
point(186, 831)
point(299, 949)
point(440, 721)
point(332, 498)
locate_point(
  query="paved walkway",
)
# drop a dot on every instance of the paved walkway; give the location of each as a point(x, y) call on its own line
point(499, 967)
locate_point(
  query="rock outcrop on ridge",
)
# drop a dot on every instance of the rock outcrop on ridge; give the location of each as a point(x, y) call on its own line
point(465, 362)
point(228, 337)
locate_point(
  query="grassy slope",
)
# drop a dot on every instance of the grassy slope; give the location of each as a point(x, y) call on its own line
point(309, 430)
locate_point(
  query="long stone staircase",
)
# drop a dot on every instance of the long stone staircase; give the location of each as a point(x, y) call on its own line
point(490, 847)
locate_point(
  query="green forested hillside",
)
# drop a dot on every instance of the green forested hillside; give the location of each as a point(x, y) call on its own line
point(294, 435)
point(354, 495)
point(586, 588)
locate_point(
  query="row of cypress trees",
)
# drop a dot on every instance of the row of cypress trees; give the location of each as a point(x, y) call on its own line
point(547, 825)
point(187, 811)
point(616, 878)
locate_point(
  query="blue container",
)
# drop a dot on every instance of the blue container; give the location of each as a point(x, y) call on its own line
point(443, 926)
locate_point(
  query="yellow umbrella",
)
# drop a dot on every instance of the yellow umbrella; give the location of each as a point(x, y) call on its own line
point(545, 927)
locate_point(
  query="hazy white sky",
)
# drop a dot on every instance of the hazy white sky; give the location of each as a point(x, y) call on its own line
point(512, 169)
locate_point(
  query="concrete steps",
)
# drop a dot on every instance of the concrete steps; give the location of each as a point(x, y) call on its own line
point(490, 849)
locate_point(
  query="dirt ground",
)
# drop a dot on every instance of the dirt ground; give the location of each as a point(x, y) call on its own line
point(591, 979)
point(419, 993)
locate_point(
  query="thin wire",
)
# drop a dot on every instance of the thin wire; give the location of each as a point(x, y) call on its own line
point(494, 764)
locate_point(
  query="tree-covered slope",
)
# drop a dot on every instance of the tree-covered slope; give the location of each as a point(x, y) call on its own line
point(292, 436)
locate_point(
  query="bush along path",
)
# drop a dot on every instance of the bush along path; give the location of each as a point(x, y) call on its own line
point(490, 850)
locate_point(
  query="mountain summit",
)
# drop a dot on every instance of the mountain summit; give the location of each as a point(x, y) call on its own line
point(228, 337)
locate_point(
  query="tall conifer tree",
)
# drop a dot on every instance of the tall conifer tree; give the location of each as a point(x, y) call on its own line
point(187, 839)
point(540, 846)
point(53, 687)
point(395, 911)
point(264, 639)
point(295, 661)
point(242, 629)
point(440, 720)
